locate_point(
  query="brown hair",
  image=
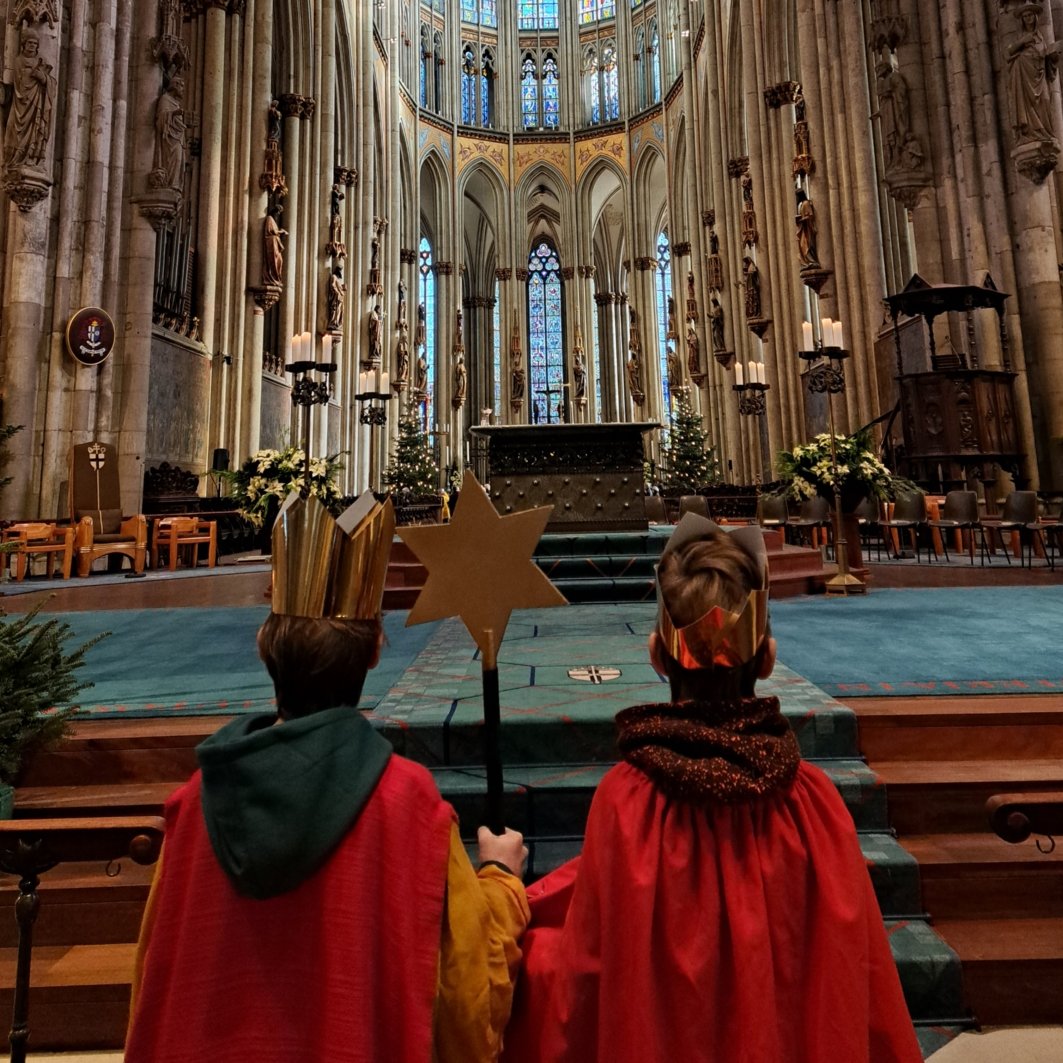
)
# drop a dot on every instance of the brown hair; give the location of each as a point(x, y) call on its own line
point(317, 664)
point(712, 570)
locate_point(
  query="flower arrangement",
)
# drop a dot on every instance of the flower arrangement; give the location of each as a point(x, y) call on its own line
point(810, 469)
point(269, 476)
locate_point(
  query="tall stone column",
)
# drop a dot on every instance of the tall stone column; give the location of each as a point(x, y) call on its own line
point(603, 307)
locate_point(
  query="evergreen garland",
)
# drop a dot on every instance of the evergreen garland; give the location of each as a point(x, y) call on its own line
point(412, 471)
point(6, 432)
point(37, 685)
point(687, 463)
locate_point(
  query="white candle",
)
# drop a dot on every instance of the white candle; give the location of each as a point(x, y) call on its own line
point(807, 339)
point(326, 348)
point(838, 338)
point(760, 372)
point(363, 382)
point(751, 373)
point(826, 331)
point(385, 383)
point(308, 346)
point(739, 377)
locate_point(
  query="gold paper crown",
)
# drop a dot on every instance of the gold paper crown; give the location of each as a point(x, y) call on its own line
point(719, 638)
point(328, 567)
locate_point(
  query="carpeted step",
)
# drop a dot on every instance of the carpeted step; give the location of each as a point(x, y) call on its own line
point(588, 591)
point(990, 727)
point(948, 797)
point(598, 566)
point(981, 876)
point(1012, 968)
point(929, 970)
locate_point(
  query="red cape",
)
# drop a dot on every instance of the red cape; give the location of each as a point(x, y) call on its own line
point(743, 933)
point(342, 969)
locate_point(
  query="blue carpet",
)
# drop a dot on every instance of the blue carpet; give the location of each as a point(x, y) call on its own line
point(981, 640)
point(193, 662)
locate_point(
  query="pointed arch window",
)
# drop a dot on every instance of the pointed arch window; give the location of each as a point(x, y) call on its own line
point(654, 64)
point(529, 92)
point(590, 85)
point(479, 12)
point(610, 83)
point(427, 292)
point(640, 74)
point(487, 88)
point(664, 293)
point(496, 355)
point(537, 15)
point(426, 63)
point(468, 85)
point(596, 10)
point(551, 97)
point(437, 73)
point(545, 334)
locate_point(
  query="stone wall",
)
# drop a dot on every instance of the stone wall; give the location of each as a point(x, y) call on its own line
point(178, 404)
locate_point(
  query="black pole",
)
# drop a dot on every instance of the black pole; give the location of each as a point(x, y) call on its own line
point(492, 752)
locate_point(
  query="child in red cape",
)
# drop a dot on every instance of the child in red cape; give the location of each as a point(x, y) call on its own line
point(721, 911)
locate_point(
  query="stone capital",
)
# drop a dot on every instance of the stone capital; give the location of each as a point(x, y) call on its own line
point(503, 273)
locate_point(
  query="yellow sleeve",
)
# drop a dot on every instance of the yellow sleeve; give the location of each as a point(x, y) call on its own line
point(484, 916)
point(146, 926)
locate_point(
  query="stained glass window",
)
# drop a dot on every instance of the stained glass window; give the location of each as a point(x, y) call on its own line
point(545, 342)
point(537, 15)
point(469, 11)
point(496, 362)
point(664, 293)
point(437, 101)
point(655, 63)
point(610, 84)
point(488, 13)
point(483, 12)
point(487, 73)
point(468, 86)
point(590, 84)
point(551, 104)
point(426, 63)
point(428, 301)
point(593, 10)
point(440, 5)
point(529, 93)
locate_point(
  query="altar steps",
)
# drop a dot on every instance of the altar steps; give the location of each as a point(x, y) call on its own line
point(999, 906)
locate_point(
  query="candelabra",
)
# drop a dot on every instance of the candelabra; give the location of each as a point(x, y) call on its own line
point(307, 393)
point(374, 393)
point(751, 400)
point(826, 376)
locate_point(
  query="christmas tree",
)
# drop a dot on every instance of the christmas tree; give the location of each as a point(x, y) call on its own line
point(412, 470)
point(687, 463)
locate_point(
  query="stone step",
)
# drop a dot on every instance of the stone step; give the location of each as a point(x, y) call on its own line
point(948, 797)
point(1012, 968)
point(981, 876)
point(1017, 727)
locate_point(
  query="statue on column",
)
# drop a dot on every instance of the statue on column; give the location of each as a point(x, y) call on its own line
point(168, 168)
point(752, 276)
point(893, 108)
point(273, 248)
point(29, 125)
point(579, 378)
point(694, 354)
point(420, 336)
point(420, 384)
point(1032, 65)
point(402, 359)
point(335, 246)
point(334, 303)
point(692, 299)
point(376, 325)
point(457, 400)
point(719, 343)
point(400, 313)
point(675, 369)
point(516, 367)
point(806, 231)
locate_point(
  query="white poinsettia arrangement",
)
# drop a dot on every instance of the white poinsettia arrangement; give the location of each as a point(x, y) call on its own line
point(267, 477)
point(810, 469)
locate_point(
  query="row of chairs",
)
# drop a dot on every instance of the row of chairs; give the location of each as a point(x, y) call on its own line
point(910, 520)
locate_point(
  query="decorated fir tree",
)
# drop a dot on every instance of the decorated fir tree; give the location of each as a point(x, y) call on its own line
point(686, 462)
point(412, 470)
point(6, 432)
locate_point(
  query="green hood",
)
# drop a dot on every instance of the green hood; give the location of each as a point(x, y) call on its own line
point(278, 799)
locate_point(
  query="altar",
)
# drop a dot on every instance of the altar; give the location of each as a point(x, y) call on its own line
point(592, 474)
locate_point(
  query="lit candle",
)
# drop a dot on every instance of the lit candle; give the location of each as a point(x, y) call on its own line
point(739, 375)
point(363, 383)
point(808, 341)
point(838, 339)
point(385, 383)
point(326, 348)
point(826, 331)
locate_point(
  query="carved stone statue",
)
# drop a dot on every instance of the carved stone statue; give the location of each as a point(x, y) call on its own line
point(719, 343)
point(634, 342)
point(336, 247)
point(806, 230)
point(374, 253)
point(516, 367)
point(420, 336)
point(675, 369)
point(334, 304)
point(894, 110)
point(29, 124)
point(421, 380)
point(579, 377)
point(400, 314)
point(168, 168)
point(273, 123)
point(376, 325)
point(273, 248)
point(693, 352)
point(671, 317)
point(747, 191)
point(1032, 64)
point(402, 358)
point(634, 379)
point(752, 275)
point(169, 18)
point(692, 299)
point(460, 382)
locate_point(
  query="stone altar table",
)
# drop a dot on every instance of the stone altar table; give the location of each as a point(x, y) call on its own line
point(591, 473)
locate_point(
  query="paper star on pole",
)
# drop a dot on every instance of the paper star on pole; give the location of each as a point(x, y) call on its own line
point(480, 566)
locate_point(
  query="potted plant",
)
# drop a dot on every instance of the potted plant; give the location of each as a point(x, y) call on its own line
point(266, 478)
point(38, 684)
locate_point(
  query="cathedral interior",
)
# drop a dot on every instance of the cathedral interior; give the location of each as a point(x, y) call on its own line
point(553, 210)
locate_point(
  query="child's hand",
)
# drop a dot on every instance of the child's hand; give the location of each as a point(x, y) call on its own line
point(508, 849)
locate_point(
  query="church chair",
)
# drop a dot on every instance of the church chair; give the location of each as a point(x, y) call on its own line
point(812, 518)
point(170, 535)
point(96, 510)
point(1021, 517)
point(869, 520)
point(909, 515)
point(655, 510)
point(694, 504)
point(31, 540)
point(960, 514)
point(773, 513)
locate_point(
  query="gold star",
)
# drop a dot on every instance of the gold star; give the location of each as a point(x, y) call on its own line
point(480, 566)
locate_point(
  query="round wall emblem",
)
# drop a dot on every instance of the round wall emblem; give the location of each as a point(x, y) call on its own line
point(90, 335)
point(593, 674)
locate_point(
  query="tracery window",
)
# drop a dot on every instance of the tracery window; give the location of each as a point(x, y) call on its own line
point(479, 12)
point(545, 336)
point(551, 98)
point(529, 92)
point(496, 361)
point(427, 292)
point(540, 99)
point(590, 85)
point(610, 83)
point(664, 293)
point(469, 75)
point(639, 50)
point(596, 10)
point(426, 63)
point(601, 83)
point(537, 15)
point(438, 73)
point(654, 63)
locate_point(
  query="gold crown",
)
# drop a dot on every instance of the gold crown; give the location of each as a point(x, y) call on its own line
point(331, 567)
point(719, 638)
